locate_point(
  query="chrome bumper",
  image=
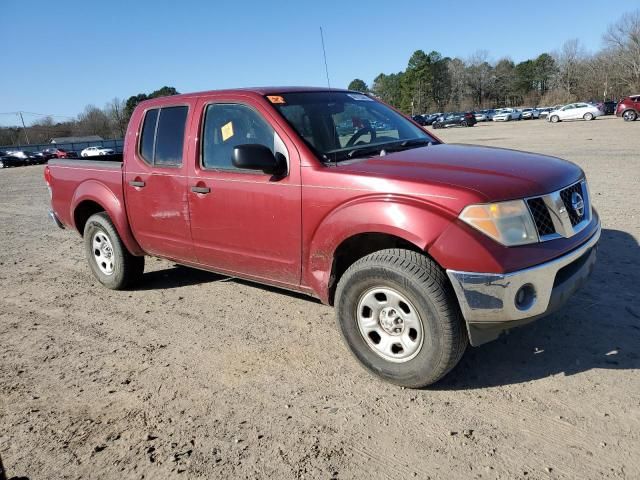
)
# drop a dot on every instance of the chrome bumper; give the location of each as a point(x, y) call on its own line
point(55, 219)
point(492, 303)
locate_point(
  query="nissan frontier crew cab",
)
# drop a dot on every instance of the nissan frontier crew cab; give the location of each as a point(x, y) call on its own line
point(422, 247)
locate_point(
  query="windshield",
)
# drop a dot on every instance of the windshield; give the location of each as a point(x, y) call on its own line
point(344, 125)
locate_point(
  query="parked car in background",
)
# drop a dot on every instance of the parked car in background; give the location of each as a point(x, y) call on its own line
point(507, 114)
point(27, 157)
point(455, 119)
point(629, 108)
point(7, 160)
point(432, 117)
point(59, 153)
point(420, 120)
point(544, 111)
point(96, 151)
point(481, 116)
point(530, 113)
point(575, 111)
point(489, 113)
point(609, 107)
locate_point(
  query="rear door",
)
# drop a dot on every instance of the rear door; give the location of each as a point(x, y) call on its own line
point(156, 183)
point(244, 221)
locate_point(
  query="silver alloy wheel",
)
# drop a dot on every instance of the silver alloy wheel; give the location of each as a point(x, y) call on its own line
point(103, 252)
point(390, 324)
point(588, 116)
point(629, 116)
point(1, 164)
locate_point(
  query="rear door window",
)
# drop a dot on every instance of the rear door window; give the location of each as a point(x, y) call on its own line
point(162, 138)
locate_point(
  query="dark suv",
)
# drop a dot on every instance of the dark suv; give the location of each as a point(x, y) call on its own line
point(629, 108)
point(463, 119)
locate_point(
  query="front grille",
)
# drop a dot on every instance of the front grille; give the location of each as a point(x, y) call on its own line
point(554, 214)
point(565, 195)
point(541, 216)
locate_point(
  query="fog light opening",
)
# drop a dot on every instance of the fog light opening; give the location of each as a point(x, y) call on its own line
point(525, 297)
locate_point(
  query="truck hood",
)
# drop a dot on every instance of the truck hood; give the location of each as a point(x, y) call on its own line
point(494, 173)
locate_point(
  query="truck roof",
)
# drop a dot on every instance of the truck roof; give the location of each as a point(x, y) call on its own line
point(252, 90)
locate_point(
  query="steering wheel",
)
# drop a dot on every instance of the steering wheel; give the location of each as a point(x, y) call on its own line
point(361, 132)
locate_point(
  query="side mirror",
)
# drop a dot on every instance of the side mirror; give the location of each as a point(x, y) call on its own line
point(253, 156)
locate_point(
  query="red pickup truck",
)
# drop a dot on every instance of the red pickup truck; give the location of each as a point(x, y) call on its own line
point(421, 247)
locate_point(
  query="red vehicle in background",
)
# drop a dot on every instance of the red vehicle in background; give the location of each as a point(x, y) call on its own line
point(421, 247)
point(58, 153)
point(629, 108)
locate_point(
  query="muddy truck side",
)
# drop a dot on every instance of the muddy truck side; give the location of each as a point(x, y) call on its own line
point(420, 246)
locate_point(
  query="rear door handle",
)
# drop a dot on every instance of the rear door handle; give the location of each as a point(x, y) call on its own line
point(136, 183)
point(200, 189)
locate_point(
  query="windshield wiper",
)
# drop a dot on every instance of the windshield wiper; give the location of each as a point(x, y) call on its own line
point(406, 144)
point(380, 149)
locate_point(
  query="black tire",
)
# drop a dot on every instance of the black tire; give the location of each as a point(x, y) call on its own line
point(555, 119)
point(464, 123)
point(629, 116)
point(424, 284)
point(127, 268)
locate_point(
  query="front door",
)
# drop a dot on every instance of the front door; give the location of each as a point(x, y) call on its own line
point(155, 184)
point(244, 221)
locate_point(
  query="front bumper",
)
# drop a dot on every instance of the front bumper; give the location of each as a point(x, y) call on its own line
point(492, 303)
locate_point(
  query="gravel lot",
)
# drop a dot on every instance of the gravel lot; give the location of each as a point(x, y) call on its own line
point(193, 375)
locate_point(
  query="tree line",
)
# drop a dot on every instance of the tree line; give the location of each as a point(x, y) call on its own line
point(432, 82)
point(109, 122)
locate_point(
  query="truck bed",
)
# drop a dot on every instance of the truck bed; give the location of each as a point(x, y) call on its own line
point(77, 180)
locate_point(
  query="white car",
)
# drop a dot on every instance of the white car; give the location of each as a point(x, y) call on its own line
point(507, 114)
point(95, 151)
point(575, 111)
point(530, 113)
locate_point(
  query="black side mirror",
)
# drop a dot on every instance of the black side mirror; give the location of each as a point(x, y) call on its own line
point(253, 156)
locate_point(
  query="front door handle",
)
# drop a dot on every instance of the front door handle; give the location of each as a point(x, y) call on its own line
point(137, 183)
point(197, 189)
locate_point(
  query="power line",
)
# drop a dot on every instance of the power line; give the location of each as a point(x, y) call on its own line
point(39, 114)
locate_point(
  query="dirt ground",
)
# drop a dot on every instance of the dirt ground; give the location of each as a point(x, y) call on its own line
point(193, 375)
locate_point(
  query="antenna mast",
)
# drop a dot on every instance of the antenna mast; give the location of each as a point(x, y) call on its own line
point(324, 53)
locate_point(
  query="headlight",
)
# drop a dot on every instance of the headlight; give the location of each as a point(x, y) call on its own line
point(508, 223)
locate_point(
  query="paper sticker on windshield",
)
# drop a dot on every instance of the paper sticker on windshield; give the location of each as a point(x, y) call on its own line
point(227, 131)
point(275, 99)
point(360, 97)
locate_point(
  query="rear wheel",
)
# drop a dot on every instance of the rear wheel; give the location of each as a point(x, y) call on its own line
point(109, 260)
point(555, 119)
point(1, 164)
point(588, 116)
point(399, 317)
point(629, 116)
point(465, 123)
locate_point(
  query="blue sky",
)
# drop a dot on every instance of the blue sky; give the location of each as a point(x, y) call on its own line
point(58, 56)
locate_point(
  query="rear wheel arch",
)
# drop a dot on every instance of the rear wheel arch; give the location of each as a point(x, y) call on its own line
point(83, 211)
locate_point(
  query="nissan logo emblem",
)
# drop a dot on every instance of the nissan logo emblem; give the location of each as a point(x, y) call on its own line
point(577, 203)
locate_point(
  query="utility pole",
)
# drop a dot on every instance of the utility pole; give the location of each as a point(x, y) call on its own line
point(24, 128)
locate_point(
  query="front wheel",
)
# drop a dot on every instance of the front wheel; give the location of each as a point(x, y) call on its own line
point(464, 123)
point(109, 260)
point(588, 116)
point(555, 119)
point(629, 116)
point(399, 317)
